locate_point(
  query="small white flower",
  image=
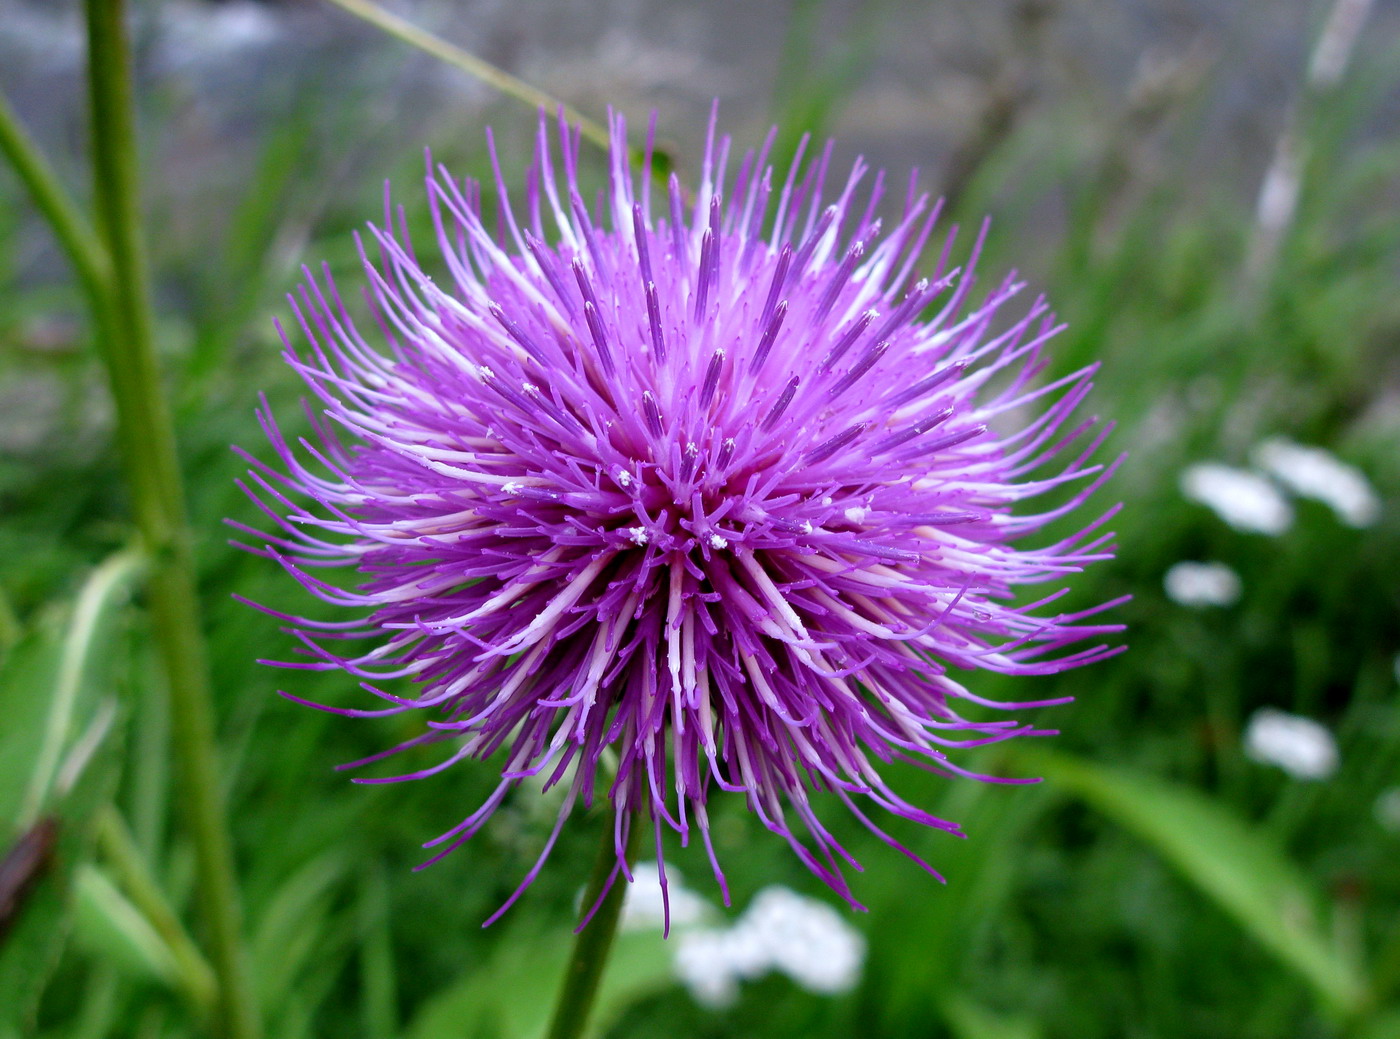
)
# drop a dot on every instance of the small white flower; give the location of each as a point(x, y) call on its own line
point(1311, 472)
point(638, 535)
point(803, 938)
point(1243, 499)
point(807, 940)
point(511, 487)
point(644, 907)
point(1202, 584)
point(1388, 809)
point(717, 541)
point(1300, 746)
point(705, 966)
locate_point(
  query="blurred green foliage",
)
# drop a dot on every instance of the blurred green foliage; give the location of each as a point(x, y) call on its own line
point(1160, 885)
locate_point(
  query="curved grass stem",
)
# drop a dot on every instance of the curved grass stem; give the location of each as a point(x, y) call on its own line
point(659, 160)
point(473, 66)
point(69, 226)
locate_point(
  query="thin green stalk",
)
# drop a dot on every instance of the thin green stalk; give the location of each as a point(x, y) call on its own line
point(84, 250)
point(148, 442)
point(591, 947)
point(661, 160)
point(379, 999)
point(134, 874)
point(472, 65)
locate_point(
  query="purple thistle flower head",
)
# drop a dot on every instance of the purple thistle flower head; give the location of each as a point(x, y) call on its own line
point(714, 483)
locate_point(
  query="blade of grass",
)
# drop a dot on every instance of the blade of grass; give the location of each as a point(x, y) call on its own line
point(39, 920)
point(134, 874)
point(473, 66)
point(77, 239)
point(379, 996)
point(1237, 867)
point(148, 806)
point(290, 931)
point(100, 592)
point(968, 1020)
point(112, 928)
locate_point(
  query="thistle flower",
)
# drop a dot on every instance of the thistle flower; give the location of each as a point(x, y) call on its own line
point(695, 481)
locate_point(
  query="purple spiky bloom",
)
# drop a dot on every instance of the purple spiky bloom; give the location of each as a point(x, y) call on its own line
point(727, 502)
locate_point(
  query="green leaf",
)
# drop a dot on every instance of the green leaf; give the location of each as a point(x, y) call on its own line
point(30, 950)
point(28, 673)
point(54, 773)
point(45, 688)
point(1236, 866)
point(110, 927)
point(103, 594)
point(969, 1020)
point(130, 870)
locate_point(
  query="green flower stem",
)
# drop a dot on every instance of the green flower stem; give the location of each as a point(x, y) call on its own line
point(591, 947)
point(147, 439)
point(84, 250)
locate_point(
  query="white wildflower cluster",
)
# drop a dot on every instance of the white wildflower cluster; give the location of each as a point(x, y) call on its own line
point(645, 905)
point(1300, 746)
point(1251, 501)
point(780, 931)
point(1202, 584)
point(805, 939)
point(1311, 472)
point(1241, 497)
